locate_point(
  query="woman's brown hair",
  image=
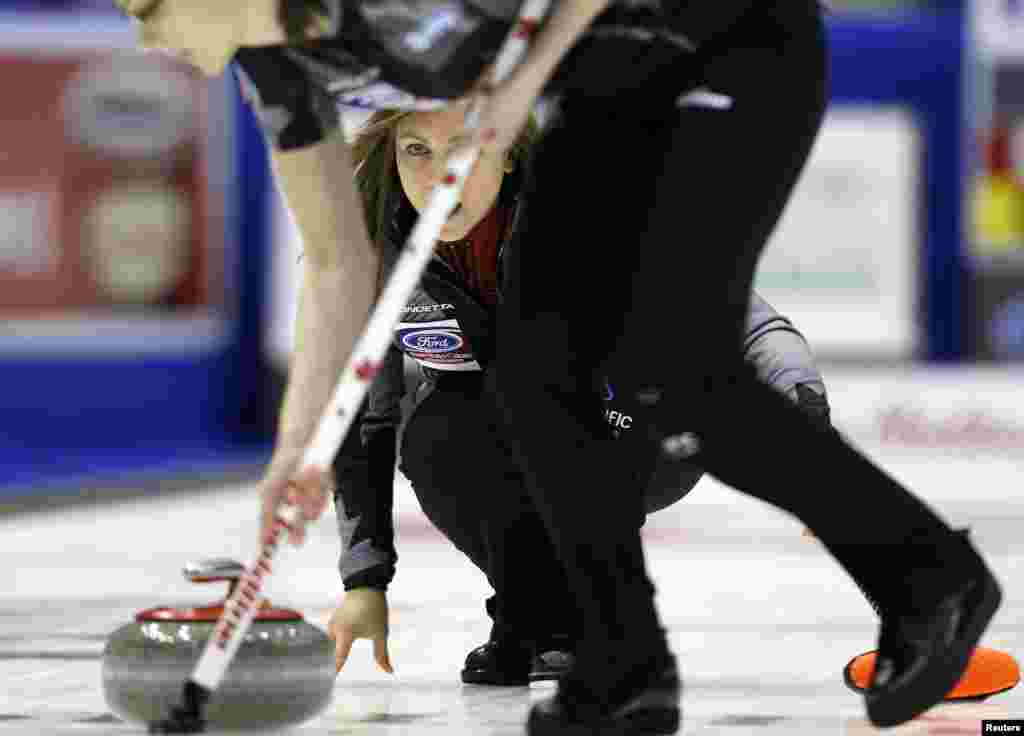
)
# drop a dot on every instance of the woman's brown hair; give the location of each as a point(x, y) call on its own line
point(373, 156)
point(376, 173)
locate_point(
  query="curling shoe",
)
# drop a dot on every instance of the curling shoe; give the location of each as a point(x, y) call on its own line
point(513, 662)
point(499, 662)
point(553, 660)
point(649, 708)
point(923, 654)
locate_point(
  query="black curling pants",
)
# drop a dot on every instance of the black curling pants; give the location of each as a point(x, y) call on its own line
point(469, 484)
point(645, 209)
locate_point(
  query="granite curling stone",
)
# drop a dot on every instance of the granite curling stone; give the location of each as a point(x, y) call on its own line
point(282, 674)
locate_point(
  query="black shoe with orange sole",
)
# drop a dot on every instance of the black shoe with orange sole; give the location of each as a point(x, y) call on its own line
point(989, 672)
point(922, 655)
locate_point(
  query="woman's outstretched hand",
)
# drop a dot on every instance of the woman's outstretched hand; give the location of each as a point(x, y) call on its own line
point(362, 614)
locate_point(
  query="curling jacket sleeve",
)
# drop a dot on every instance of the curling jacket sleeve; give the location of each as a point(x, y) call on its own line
point(364, 474)
point(783, 359)
point(292, 109)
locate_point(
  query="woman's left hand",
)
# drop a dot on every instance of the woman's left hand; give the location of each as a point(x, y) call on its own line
point(362, 614)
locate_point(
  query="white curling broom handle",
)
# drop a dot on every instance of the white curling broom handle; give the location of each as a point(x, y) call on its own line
point(241, 607)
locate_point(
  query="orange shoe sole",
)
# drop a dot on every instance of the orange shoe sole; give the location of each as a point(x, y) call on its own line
point(989, 672)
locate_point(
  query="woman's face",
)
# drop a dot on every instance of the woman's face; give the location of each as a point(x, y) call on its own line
point(202, 33)
point(423, 143)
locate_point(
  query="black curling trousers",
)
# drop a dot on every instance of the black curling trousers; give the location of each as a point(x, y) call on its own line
point(469, 484)
point(645, 220)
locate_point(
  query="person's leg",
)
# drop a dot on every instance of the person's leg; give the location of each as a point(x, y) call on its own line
point(743, 432)
point(443, 433)
point(597, 173)
point(528, 581)
point(688, 194)
point(561, 315)
point(470, 487)
point(731, 172)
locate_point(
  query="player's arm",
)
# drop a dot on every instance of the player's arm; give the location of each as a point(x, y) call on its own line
point(339, 277)
point(364, 473)
point(313, 171)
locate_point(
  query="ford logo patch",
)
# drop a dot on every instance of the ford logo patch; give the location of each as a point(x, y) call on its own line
point(432, 341)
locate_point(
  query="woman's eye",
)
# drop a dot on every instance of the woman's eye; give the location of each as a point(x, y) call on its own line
point(416, 149)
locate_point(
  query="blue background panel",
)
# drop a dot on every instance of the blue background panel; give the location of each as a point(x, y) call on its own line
point(916, 61)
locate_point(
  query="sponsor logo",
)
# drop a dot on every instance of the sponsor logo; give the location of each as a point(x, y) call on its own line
point(427, 308)
point(128, 106)
point(437, 344)
point(617, 419)
point(433, 341)
point(705, 98)
point(380, 95)
point(437, 24)
point(973, 429)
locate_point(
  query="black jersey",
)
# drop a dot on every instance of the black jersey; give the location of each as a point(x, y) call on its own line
point(377, 54)
point(420, 54)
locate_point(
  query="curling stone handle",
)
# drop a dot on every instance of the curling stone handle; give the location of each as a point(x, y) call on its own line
point(215, 570)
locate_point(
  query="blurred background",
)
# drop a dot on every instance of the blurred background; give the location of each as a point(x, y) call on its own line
point(148, 269)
